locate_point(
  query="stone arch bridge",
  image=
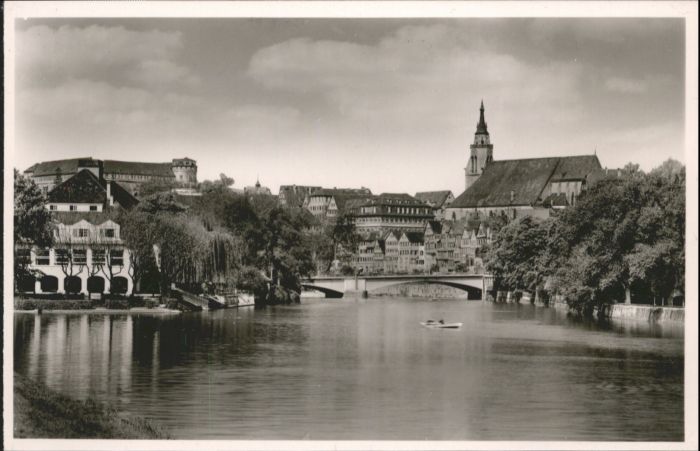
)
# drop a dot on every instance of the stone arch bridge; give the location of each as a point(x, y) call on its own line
point(338, 286)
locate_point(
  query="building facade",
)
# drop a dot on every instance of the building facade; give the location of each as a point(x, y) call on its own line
point(326, 204)
point(388, 211)
point(88, 257)
point(294, 195)
point(438, 201)
point(129, 174)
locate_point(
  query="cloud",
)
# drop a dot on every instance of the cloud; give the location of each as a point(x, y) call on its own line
point(162, 73)
point(47, 56)
point(626, 85)
point(418, 73)
point(73, 50)
point(84, 102)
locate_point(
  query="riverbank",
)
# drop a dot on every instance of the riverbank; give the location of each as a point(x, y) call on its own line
point(40, 412)
point(639, 312)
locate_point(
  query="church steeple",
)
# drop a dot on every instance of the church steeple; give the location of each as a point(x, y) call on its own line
point(481, 128)
point(481, 152)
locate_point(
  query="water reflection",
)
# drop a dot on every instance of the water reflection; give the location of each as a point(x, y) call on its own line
point(366, 369)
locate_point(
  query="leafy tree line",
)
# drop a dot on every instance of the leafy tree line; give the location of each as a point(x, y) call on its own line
point(221, 237)
point(624, 236)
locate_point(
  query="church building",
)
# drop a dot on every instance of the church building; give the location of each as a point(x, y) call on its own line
point(531, 186)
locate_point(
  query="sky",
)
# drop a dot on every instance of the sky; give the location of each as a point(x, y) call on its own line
point(389, 104)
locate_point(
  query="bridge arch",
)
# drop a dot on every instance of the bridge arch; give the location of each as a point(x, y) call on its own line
point(330, 293)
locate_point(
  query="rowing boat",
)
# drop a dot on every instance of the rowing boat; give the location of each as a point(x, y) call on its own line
point(438, 325)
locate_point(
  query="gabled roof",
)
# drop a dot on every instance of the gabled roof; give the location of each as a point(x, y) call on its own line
point(415, 237)
point(122, 196)
point(435, 226)
point(83, 188)
point(435, 199)
point(520, 182)
point(576, 168)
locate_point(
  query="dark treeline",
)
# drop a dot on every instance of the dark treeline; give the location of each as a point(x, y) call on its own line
point(624, 238)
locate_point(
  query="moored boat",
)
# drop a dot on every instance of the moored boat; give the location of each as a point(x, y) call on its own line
point(440, 325)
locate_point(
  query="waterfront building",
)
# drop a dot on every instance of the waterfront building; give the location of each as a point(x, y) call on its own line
point(294, 195)
point(257, 189)
point(369, 258)
point(452, 246)
point(438, 201)
point(409, 252)
point(391, 251)
point(88, 257)
point(390, 211)
point(532, 186)
point(327, 203)
point(129, 174)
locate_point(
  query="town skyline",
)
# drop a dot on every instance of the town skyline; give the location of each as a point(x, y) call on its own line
point(388, 104)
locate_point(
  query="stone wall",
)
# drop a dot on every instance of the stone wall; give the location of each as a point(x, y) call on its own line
point(646, 312)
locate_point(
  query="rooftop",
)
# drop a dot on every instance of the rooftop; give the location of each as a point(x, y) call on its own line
point(521, 182)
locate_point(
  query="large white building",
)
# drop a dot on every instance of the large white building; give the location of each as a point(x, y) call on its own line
point(87, 258)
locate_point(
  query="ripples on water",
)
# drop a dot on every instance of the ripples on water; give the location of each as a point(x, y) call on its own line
point(365, 369)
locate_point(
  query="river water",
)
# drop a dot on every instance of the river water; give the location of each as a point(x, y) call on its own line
point(365, 369)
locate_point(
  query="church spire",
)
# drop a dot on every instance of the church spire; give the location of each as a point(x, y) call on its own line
point(481, 128)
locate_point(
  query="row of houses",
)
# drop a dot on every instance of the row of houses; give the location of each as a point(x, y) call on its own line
point(442, 246)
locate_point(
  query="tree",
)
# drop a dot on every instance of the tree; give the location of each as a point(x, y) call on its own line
point(32, 222)
point(224, 183)
point(156, 186)
point(515, 255)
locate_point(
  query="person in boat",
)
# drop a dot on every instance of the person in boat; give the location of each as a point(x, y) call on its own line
point(430, 321)
point(442, 321)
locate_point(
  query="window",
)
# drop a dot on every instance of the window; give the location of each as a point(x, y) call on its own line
point(24, 256)
point(52, 207)
point(62, 257)
point(80, 256)
point(73, 208)
point(93, 207)
point(43, 257)
point(108, 233)
point(98, 257)
point(116, 257)
point(81, 233)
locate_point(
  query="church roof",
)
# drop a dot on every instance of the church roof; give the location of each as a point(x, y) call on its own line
point(521, 182)
point(576, 168)
point(434, 198)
